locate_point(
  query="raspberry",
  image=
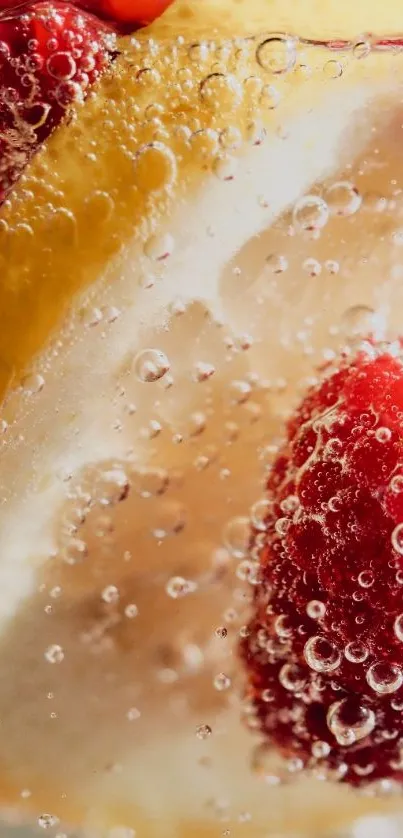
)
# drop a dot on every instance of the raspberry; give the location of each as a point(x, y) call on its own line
point(50, 56)
point(324, 647)
point(126, 14)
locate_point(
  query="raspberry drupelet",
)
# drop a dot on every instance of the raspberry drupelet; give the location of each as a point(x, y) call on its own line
point(324, 647)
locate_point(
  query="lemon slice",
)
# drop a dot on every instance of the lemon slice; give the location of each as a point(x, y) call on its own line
point(161, 302)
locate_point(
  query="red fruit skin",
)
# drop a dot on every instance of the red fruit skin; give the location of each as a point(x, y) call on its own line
point(127, 14)
point(50, 56)
point(336, 487)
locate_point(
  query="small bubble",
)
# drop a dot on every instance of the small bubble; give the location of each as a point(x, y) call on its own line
point(269, 97)
point(343, 198)
point(221, 632)
point(358, 321)
point(292, 677)
point(236, 536)
point(133, 714)
point(384, 678)
point(151, 365)
point(366, 579)
point(155, 167)
point(178, 587)
point(222, 682)
point(333, 69)
point(281, 526)
point(159, 247)
point(383, 434)
point(202, 371)
point(316, 609)
point(332, 266)
point(283, 626)
point(396, 484)
point(33, 383)
point(397, 539)
point(47, 821)
point(350, 721)
point(131, 611)
point(398, 627)
point(312, 267)
point(277, 54)
point(276, 263)
point(225, 167)
point(203, 731)
point(54, 653)
point(240, 391)
point(310, 213)
point(361, 49)
point(260, 514)
point(110, 594)
point(221, 92)
point(321, 655)
point(320, 750)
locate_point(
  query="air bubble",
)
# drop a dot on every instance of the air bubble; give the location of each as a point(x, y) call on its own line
point(277, 263)
point(366, 579)
point(361, 49)
point(225, 166)
point(350, 721)
point(202, 371)
point(203, 731)
point(178, 587)
point(47, 821)
point(343, 198)
point(54, 653)
point(312, 267)
point(110, 594)
point(310, 213)
point(383, 434)
point(260, 514)
point(236, 536)
point(321, 655)
point(277, 54)
point(384, 678)
point(155, 168)
point(269, 97)
point(333, 69)
point(292, 677)
point(151, 365)
point(320, 750)
point(221, 632)
point(159, 247)
point(358, 321)
point(131, 611)
point(221, 92)
point(396, 484)
point(222, 682)
point(397, 539)
point(133, 714)
point(315, 609)
point(398, 627)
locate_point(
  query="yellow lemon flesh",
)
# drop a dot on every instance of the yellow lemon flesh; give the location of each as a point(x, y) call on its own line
point(217, 219)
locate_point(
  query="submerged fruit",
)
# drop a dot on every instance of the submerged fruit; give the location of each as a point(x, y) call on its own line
point(324, 650)
point(50, 56)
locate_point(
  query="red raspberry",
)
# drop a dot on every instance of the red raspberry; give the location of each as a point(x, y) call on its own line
point(127, 14)
point(50, 55)
point(324, 650)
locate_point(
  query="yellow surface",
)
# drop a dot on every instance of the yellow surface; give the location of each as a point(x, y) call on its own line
point(87, 193)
